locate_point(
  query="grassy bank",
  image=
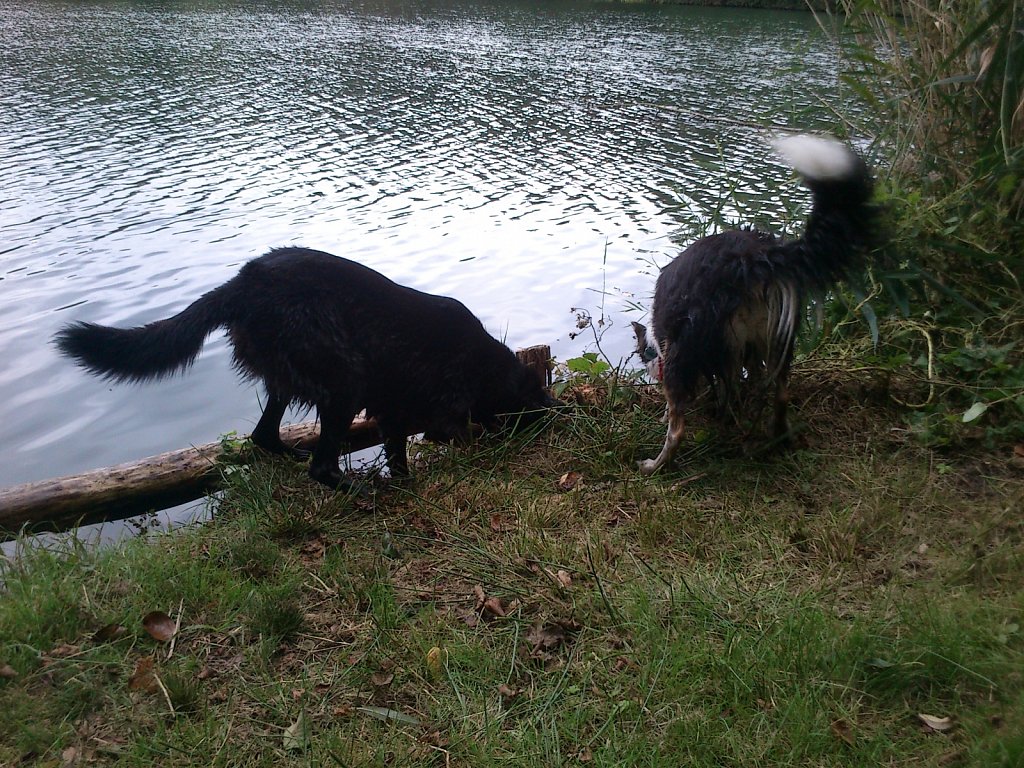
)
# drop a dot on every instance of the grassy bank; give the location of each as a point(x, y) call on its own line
point(857, 601)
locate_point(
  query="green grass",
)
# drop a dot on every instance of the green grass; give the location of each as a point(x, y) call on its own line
point(744, 608)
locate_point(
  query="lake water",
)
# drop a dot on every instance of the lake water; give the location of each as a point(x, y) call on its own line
point(527, 158)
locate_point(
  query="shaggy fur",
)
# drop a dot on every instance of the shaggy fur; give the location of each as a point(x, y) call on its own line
point(326, 332)
point(728, 307)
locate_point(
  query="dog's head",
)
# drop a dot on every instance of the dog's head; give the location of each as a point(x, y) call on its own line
point(518, 401)
point(647, 350)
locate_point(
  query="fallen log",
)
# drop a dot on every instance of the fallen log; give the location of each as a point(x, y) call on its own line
point(159, 482)
point(133, 488)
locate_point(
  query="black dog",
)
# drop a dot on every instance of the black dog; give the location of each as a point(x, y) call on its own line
point(324, 331)
point(728, 307)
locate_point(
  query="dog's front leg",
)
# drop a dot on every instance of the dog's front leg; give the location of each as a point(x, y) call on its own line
point(672, 439)
point(334, 423)
point(397, 456)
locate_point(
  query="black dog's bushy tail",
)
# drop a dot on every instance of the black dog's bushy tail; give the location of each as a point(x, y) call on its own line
point(150, 351)
point(841, 227)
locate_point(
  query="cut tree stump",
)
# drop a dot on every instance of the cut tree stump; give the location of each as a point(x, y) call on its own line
point(159, 482)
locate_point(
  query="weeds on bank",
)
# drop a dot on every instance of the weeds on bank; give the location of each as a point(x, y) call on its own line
point(535, 601)
point(941, 87)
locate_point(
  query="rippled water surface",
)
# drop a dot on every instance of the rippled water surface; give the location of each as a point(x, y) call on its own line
point(522, 157)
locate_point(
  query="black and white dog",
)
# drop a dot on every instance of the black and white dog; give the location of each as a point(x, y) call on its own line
point(729, 306)
point(326, 332)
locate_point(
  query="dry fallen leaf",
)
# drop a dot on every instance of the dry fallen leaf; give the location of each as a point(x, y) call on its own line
point(159, 625)
point(569, 480)
point(63, 650)
point(381, 679)
point(508, 694)
point(296, 735)
point(142, 678)
point(493, 607)
point(842, 731)
point(547, 637)
point(622, 663)
point(109, 633)
point(935, 723)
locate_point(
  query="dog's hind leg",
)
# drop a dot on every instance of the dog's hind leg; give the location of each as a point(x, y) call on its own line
point(672, 439)
point(267, 434)
point(335, 420)
point(780, 422)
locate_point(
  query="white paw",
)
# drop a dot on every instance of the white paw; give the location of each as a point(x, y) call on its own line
point(648, 466)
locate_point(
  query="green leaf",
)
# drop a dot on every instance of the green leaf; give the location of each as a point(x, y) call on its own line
point(383, 713)
point(974, 412)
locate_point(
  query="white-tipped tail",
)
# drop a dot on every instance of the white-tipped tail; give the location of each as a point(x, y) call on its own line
point(816, 157)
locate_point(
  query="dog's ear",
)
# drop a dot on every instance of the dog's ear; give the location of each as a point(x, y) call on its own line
point(641, 336)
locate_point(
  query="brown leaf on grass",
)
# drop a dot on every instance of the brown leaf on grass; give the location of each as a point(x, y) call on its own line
point(493, 608)
point(610, 554)
point(621, 515)
point(488, 607)
point(569, 480)
point(381, 679)
point(470, 617)
point(544, 638)
point(159, 625)
point(63, 650)
point(508, 694)
point(7, 672)
point(434, 739)
point(314, 548)
point(622, 663)
point(843, 731)
point(109, 633)
point(936, 723)
point(143, 678)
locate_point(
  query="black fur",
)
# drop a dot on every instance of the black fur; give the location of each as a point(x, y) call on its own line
point(326, 332)
point(729, 305)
